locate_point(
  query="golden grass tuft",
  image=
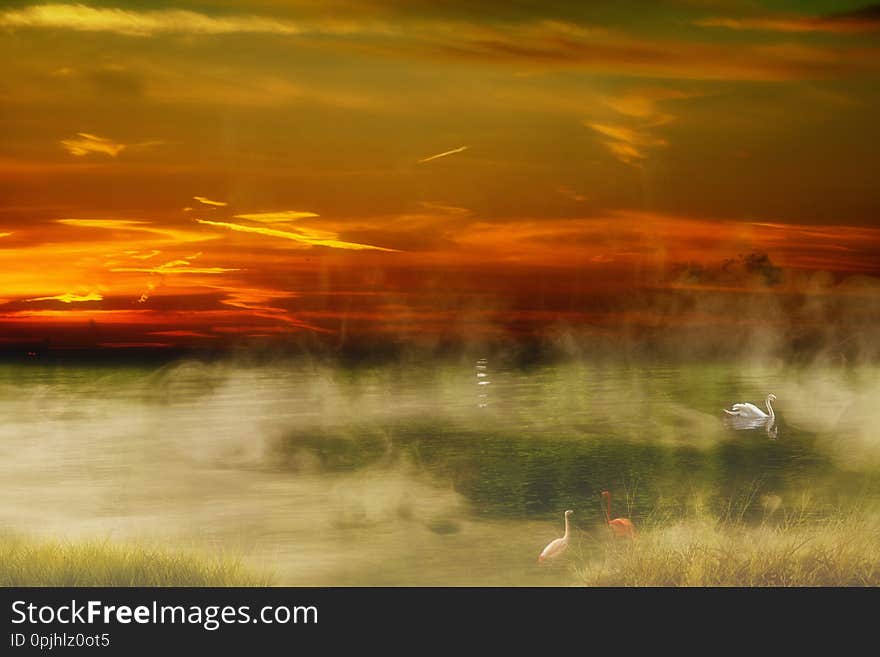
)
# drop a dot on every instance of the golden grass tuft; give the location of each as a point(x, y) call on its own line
point(705, 552)
point(38, 562)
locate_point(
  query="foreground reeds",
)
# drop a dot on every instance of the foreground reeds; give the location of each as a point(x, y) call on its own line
point(38, 562)
point(705, 552)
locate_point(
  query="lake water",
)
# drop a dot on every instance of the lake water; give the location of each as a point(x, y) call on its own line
point(442, 473)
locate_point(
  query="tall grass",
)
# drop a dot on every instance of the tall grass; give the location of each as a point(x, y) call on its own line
point(791, 550)
point(32, 562)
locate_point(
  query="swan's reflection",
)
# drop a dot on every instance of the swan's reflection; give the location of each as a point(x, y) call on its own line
point(483, 381)
point(738, 423)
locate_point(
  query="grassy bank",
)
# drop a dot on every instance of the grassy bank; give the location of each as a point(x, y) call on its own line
point(705, 552)
point(33, 562)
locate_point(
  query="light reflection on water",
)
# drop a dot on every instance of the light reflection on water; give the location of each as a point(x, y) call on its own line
point(413, 475)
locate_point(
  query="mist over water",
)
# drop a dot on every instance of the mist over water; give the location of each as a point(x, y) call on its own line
point(452, 472)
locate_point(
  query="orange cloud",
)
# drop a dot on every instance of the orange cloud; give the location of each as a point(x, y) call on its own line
point(253, 298)
point(568, 192)
point(866, 19)
point(544, 44)
point(648, 240)
point(254, 303)
point(643, 103)
point(77, 316)
point(538, 42)
point(466, 259)
point(182, 334)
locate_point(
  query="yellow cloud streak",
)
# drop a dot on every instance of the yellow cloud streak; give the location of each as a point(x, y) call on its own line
point(175, 267)
point(175, 235)
point(140, 23)
point(84, 143)
point(276, 217)
point(206, 201)
point(123, 224)
point(302, 237)
point(444, 154)
point(70, 297)
point(626, 144)
point(175, 270)
point(842, 24)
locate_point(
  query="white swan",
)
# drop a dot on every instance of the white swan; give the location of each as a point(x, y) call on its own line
point(752, 411)
point(558, 546)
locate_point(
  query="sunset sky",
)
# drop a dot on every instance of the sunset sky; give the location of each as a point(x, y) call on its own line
point(194, 172)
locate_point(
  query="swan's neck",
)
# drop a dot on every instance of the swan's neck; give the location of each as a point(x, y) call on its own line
point(608, 509)
point(565, 535)
point(770, 408)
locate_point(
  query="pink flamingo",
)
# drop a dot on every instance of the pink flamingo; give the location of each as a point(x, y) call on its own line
point(557, 546)
point(619, 526)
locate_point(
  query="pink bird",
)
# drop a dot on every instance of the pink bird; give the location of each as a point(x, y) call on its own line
point(558, 546)
point(619, 526)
